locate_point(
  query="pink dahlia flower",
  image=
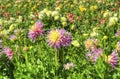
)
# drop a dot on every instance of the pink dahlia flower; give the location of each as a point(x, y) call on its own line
point(36, 30)
point(113, 59)
point(12, 37)
point(8, 52)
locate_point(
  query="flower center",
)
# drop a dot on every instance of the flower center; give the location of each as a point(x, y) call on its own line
point(54, 36)
point(109, 58)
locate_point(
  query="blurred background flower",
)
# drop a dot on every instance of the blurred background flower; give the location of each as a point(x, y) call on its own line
point(82, 8)
point(117, 33)
point(89, 43)
point(36, 30)
point(107, 14)
point(112, 21)
point(75, 43)
point(118, 46)
point(8, 52)
point(13, 37)
point(67, 66)
point(94, 54)
point(94, 7)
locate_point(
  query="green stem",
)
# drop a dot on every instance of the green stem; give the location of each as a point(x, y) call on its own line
point(57, 63)
point(26, 58)
point(63, 57)
point(57, 58)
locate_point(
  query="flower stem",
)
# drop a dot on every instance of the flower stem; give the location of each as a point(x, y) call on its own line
point(57, 58)
point(57, 63)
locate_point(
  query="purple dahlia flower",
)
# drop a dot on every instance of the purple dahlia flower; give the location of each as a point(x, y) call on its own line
point(94, 54)
point(58, 38)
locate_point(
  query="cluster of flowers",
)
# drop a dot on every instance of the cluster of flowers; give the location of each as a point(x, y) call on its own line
point(54, 14)
point(95, 52)
point(113, 19)
point(56, 37)
point(92, 8)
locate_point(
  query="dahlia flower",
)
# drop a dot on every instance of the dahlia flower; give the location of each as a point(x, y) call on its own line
point(107, 14)
point(13, 37)
point(8, 52)
point(36, 30)
point(89, 43)
point(68, 66)
point(113, 59)
point(118, 46)
point(118, 33)
point(70, 17)
point(112, 21)
point(94, 54)
point(58, 38)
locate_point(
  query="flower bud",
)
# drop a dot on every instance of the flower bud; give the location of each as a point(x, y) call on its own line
point(63, 19)
point(112, 21)
point(48, 13)
point(64, 24)
point(85, 34)
point(25, 48)
point(72, 27)
point(11, 28)
point(56, 17)
point(107, 14)
point(105, 37)
point(75, 43)
point(55, 13)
